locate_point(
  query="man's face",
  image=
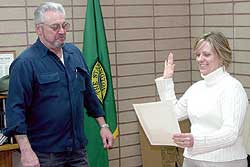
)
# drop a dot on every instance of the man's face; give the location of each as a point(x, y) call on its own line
point(207, 58)
point(52, 32)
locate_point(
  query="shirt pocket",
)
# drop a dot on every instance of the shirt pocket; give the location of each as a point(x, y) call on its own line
point(48, 82)
point(80, 78)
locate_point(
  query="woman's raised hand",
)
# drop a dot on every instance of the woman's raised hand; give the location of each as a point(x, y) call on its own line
point(169, 66)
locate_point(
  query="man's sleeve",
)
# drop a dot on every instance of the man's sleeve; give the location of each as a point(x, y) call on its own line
point(19, 97)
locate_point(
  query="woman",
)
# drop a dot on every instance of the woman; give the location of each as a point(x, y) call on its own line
point(215, 106)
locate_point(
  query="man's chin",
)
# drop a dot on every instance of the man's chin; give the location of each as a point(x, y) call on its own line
point(59, 45)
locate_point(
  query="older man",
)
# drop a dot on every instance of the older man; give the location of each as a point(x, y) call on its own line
point(49, 86)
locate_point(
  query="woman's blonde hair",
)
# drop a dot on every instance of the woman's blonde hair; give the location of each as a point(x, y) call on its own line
point(220, 44)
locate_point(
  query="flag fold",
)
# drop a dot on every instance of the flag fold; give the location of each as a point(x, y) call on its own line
point(96, 55)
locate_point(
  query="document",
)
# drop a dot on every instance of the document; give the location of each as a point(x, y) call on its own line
point(5, 61)
point(158, 121)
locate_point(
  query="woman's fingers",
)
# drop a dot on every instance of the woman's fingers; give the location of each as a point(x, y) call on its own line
point(169, 66)
point(183, 139)
point(170, 59)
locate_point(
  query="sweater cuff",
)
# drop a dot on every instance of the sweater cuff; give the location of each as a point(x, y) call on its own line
point(165, 88)
point(197, 147)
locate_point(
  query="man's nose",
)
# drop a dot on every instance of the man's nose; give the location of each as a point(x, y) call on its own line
point(61, 30)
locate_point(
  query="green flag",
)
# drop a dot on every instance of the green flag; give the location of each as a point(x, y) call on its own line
point(96, 56)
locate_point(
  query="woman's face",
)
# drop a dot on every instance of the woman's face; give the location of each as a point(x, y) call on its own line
point(207, 58)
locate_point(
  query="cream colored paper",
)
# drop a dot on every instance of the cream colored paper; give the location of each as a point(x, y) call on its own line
point(158, 121)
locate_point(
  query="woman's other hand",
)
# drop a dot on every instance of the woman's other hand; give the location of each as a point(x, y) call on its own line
point(183, 139)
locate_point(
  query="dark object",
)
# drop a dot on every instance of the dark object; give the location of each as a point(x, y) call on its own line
point(248, 160)
point(4, 83)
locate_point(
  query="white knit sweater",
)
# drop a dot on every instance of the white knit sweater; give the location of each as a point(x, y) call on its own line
point(216, 108)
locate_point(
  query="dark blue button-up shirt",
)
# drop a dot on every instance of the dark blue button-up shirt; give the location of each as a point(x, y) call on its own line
point(46, 98)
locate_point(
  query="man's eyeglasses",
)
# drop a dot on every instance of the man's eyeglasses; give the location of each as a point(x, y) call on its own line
point(56, 27)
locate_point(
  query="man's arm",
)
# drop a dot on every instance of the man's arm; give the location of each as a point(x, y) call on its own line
point(28, 157)
point(107, 137)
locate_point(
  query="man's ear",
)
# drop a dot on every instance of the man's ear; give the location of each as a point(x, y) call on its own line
point(38, 30)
